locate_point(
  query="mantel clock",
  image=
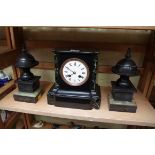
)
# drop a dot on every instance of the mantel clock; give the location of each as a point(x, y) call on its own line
point(75, 80)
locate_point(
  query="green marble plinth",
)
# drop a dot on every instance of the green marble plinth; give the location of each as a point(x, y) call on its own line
point(28, 97)
point(122, 106)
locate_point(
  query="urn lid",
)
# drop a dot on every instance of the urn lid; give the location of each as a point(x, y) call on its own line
point(126, 66)
point(26, 60)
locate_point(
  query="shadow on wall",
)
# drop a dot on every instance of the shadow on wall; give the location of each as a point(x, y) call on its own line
point(46, 75)
point(105, 79)
point(102, 79)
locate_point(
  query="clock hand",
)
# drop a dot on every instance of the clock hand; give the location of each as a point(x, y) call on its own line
point(69, 75)
point(70, 70)
point(80, 76)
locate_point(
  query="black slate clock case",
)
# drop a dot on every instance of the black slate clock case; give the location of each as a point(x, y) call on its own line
point(86, 96)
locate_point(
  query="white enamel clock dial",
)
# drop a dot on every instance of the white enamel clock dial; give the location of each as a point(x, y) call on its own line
point(74, 72)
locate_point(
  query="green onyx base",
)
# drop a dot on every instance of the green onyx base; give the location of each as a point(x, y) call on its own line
point(121, 106)
point(28, 97)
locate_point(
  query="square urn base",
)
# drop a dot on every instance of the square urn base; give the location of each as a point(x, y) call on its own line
point(122, 93)
point(29, 86)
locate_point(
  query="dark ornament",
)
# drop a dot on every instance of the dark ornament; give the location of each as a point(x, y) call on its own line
point(125, 68)
point(28, 83)
point(25, 62)
point(75, 80)
point(123, 89)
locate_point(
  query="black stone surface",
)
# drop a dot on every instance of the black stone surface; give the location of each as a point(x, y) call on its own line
point(85, 96)
point(122, 93)
point(29, 86)
point(26, 60)
point(126, 66)
point(86, 100)
point(89, 57)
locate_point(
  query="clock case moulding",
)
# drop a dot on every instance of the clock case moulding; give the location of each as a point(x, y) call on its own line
point(87, 96)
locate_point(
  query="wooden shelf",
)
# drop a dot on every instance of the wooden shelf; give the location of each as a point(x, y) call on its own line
point(112, 27)
point(145, 115)
point(130, 27)
point(7, 88)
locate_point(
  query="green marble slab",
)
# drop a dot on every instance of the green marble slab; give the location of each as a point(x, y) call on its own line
point(121, 106)
point(28, 97)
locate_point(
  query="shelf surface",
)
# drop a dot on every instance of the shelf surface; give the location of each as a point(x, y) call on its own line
point(130, 27)
point(5, 89)
point(145, 115)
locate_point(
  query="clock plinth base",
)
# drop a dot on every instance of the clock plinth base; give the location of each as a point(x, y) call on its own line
point(28, 97)
point(121, 106)
point(86, 100)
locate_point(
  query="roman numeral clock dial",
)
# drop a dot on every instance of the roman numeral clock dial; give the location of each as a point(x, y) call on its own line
point(74, 72)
